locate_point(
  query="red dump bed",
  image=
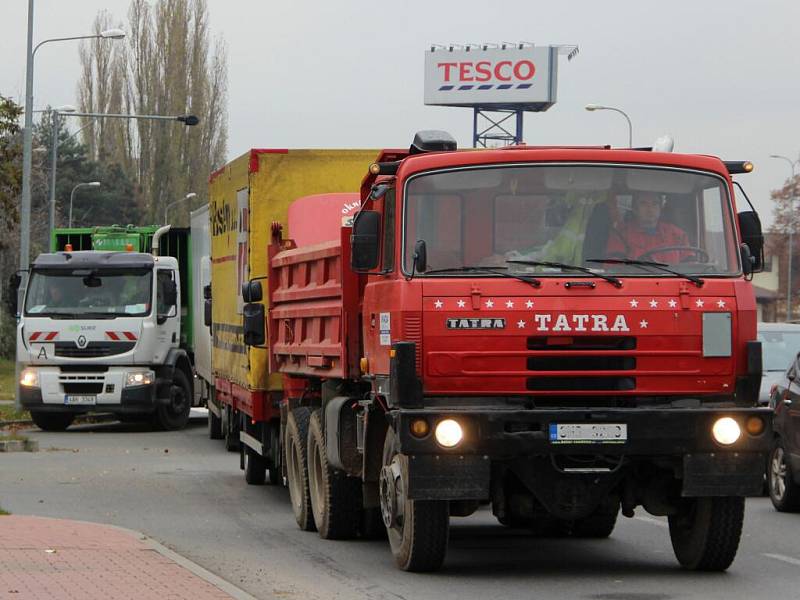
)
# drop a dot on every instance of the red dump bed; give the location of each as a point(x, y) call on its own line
point(313, 295)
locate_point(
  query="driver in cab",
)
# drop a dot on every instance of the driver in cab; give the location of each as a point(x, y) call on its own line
point(646, 232)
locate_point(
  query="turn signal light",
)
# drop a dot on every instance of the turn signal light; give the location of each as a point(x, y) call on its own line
point(754, 425)
point(420, 428)
point(363, 364)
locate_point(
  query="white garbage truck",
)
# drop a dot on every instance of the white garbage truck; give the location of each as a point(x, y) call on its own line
point(106, 326)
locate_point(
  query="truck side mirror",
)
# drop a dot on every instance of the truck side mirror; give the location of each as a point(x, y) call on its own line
point(420, 256)
point(252, 292)
point(253, 324)
point(170, 293)
point(365, 241)
point(207, 305)
point(11, 294)
point(750, 226)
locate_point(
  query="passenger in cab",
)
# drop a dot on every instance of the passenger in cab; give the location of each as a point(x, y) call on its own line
point(646, 231)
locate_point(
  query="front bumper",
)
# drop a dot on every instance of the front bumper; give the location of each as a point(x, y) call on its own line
point(678, 438)
point(511, 433)
point(133, 400)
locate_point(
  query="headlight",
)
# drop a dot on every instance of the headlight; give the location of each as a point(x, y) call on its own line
point(138, 378)
point(726, 431)
point(29, 378)
point(449, 433)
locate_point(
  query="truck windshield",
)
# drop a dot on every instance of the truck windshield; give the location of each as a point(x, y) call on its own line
point(571, 214)
point(100, 293)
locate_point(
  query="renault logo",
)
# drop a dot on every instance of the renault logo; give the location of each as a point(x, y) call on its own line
point(81, 341)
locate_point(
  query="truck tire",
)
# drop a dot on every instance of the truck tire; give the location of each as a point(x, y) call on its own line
point(335, 497)
point(255, 467)
point(418, 530)
point(52, 421)
point(600, 524)
point(174, 414)
point(784, 491)
point(705, 534)
point(230, 432)
point(296, 453)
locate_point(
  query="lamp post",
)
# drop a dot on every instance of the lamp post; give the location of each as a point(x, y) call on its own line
point(188, 196)
point(593, 107)
point(792, 165)
point(72, 196)
point(53, 162)
point(27, 155)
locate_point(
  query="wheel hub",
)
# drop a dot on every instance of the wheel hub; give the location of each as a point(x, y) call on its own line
point(392, 496)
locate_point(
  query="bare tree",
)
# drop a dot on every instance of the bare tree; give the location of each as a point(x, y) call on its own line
point(166, 67)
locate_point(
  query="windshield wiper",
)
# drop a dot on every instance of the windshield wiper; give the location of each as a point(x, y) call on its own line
point(495, 270)
point(646, 263)
point(557, 265)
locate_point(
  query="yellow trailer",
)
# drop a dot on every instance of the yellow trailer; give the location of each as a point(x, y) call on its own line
point(246, 197)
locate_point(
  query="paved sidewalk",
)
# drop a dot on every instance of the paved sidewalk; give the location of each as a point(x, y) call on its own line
point(58, 558)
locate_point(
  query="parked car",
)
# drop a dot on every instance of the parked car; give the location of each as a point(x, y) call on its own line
point(783, 466)
point(780, 343)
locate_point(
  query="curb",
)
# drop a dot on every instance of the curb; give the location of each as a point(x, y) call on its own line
point(79, 420)
point(193, 567)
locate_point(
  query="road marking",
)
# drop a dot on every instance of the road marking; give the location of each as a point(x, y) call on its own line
point(652, 521)
point(786, 559)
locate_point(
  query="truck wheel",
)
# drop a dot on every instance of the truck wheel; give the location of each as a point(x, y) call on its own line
point(214, 426)
point(297, 466)
point(174, 414)
point(600, 524)
point(335, 497)
point(52, 421)
point(255, 467)
point(230, 431)
point(783, 490)
point(417, 529)
point(705, 533)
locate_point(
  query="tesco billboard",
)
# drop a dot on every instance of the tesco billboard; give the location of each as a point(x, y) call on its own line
point(511, 77)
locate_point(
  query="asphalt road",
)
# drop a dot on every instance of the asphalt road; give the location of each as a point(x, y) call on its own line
point(185, 491)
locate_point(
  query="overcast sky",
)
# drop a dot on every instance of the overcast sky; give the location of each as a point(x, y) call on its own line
point(721, 76)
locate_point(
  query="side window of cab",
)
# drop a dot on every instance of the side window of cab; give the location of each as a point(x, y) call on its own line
point(388, 230)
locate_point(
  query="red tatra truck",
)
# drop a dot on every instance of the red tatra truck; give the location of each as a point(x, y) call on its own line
point(565, 333)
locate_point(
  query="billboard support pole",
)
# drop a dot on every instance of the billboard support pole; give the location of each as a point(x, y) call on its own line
point(496, 131)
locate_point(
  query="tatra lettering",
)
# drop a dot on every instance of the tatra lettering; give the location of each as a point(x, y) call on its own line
point(545, 322)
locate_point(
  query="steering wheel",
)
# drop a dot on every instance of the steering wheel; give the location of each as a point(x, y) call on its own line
point(698, 252)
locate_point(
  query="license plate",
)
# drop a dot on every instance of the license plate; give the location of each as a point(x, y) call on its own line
point(80, 400)
point(588, 433)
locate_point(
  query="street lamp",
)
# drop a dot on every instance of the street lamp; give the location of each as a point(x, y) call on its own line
point(593, 107)
point(53, 161)
point(27, 158)
point(171, 204)
point(72, 196)
point(792, 165)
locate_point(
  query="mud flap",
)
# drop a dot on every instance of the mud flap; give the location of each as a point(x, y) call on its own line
point(723, 474)
point(437, 477)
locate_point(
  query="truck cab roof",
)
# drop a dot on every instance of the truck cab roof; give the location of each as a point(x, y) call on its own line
point(94, 260)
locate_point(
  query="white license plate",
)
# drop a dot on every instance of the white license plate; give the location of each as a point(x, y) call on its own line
point(588, 433)
point(80, 400)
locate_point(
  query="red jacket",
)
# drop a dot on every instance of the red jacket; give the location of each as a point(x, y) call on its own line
point(632, 241)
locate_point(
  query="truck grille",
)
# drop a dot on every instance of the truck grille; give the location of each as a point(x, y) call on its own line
point(581, 384)
point(583, 362)
point(92, 349)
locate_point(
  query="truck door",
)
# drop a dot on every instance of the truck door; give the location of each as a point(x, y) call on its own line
point(167, 302)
